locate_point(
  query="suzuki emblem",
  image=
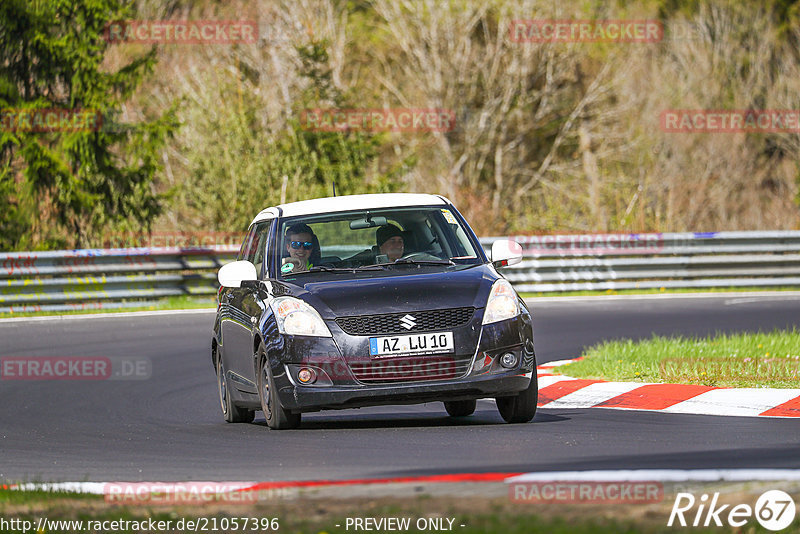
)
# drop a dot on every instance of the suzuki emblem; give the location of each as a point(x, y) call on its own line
point(408, 322)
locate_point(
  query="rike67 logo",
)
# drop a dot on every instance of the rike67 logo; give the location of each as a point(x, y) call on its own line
point(774, 510)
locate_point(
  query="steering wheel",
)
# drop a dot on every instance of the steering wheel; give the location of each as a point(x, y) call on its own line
point(421, 256)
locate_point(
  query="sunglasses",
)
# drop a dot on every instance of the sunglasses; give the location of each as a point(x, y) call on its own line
point(308, 245)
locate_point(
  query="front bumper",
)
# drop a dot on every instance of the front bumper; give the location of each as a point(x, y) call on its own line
point(473, 371)
point(314, 398)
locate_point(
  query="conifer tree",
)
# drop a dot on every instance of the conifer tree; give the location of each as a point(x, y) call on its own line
point(66, 183)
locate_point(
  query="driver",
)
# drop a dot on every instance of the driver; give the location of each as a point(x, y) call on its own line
point(390, 241)
point(301, 244)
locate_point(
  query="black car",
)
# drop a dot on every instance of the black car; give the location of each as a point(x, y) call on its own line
point(367, 300)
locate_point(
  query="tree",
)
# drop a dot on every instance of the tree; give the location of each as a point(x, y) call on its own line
point(66, 182)
point(245, 145)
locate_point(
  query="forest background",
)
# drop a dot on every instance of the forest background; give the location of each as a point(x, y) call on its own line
point(549, 137)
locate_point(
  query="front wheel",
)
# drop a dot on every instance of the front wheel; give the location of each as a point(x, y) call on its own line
point(277, 418)
point(521, 407)
point(231, 412)
point(460, 408)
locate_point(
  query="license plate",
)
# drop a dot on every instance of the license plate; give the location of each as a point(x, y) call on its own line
point(432, 343)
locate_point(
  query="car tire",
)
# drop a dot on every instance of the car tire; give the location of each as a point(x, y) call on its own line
point(521, 407)
point(231, 412)
point(461, 408)
point(277, 417)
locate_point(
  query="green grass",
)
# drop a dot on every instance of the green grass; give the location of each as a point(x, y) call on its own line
point(660, 291)
point(17, 497)
point(737, 360)
point(171, 303)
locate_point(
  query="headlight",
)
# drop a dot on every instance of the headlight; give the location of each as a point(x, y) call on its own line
point(502, 303)
point(297, 318)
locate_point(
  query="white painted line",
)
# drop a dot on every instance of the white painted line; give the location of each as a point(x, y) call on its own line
point(663, 475)
point(545, 381)
point(556, 363)
point(123, 315)
point(74, 487)
point(593, 394)
point(755, 298)
point(739, 401)
point(778, 295)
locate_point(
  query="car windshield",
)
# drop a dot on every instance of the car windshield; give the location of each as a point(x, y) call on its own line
point(374, 240)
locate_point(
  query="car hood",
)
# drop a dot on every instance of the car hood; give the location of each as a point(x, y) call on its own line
point(392, 293)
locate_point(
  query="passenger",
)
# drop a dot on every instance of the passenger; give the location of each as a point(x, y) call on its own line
point(303, 247)
point(390, 241)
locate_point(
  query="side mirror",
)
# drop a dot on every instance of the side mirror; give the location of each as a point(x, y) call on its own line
point(234, 273)
point(506, 252)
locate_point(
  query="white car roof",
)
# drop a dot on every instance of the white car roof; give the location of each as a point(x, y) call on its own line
point(350, 202)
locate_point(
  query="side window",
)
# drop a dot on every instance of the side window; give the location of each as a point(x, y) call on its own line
point(244, 252)
point(262, 234)
point(254, 244)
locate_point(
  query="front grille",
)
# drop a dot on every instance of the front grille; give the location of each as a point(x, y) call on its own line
point(426, 321)
point(411, 369)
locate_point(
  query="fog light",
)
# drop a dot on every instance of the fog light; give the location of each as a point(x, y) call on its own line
point(306, 375)
point(508, 360)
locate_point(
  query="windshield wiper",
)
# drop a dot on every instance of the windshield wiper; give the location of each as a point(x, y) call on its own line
point(373, 267)
point(409, 261)
point(324, 268)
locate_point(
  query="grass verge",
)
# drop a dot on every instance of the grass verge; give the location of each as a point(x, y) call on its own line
point(736, 360)
point(171, 303)
point(472, 513)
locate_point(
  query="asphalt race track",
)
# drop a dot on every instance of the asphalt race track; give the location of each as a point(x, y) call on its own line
point(169, 427)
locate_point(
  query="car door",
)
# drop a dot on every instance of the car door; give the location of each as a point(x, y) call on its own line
point(244, 310)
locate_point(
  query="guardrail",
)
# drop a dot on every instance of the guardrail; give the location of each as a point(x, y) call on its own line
point(115, 278)
point(555, 263)
point(107, 278)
